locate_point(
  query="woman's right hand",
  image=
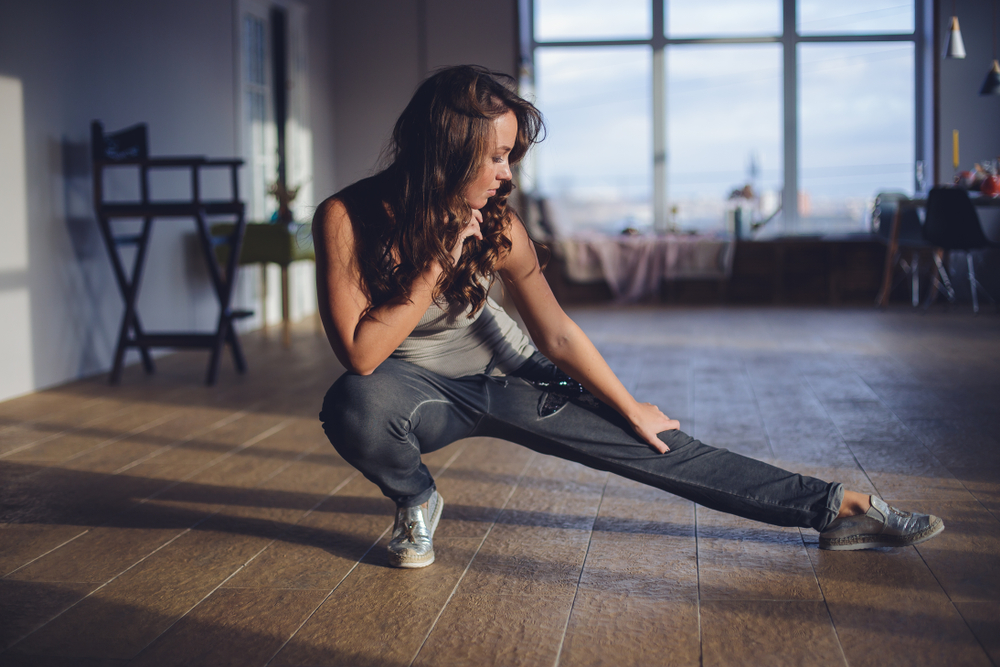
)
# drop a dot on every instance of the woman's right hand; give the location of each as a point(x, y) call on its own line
point(471, 229)
point(648, 421)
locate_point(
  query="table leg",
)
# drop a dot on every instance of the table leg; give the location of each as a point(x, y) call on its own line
point(263, 294)
point(890, 259)
point(286, 333)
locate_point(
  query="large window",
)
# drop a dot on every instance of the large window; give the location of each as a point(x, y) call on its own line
point(597, 161)
point(671, 114)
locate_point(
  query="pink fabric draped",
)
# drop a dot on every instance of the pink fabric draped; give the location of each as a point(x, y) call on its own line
point(634, 266)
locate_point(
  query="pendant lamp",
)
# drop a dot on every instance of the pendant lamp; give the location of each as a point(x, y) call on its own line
point(991, 86)
point(955, 48)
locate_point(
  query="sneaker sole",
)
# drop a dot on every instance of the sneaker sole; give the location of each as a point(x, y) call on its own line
point(395, 561)
point(412, 564)
point(856, 542)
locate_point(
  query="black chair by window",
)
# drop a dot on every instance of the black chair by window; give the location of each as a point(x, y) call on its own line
point(129, 148)
point(953, 224)
point(910, 239)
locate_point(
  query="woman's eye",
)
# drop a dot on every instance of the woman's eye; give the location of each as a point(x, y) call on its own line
point(498, 160)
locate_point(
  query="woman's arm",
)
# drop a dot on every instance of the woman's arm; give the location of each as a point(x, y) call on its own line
point(565, 344)
point(363, 337)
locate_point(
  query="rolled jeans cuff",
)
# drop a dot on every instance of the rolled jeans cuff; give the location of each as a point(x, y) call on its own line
point(418, 499)
point(836, 499)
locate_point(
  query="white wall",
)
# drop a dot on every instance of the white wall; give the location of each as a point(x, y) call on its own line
point(16, 369)
point(62, 64)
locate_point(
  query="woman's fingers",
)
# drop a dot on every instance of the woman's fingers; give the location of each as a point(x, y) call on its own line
point(472, 230)
point(653, 422)
point(473, 225)
point(657, 444)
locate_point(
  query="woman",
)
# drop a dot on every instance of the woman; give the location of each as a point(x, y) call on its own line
point(404, 262)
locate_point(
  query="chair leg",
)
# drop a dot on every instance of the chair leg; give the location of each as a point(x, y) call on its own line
point(975, 286)
point(940, 280)
point(915, 279)
point(972, 284)
point(933, 291)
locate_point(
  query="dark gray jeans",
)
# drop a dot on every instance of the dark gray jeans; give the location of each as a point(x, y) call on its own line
point(381, 424)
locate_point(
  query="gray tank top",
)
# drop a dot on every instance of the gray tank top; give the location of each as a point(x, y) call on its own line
point(448, 342)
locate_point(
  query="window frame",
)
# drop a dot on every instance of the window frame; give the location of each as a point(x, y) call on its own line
point(921, 37)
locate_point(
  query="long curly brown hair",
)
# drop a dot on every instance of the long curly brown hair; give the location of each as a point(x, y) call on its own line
point(440, 142)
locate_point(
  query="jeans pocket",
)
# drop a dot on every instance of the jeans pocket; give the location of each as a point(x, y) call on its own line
point(550, 403)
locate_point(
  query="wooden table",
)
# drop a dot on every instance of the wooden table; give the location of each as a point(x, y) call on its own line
point(272, 243)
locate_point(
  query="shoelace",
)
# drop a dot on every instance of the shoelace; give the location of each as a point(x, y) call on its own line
point(409, 531)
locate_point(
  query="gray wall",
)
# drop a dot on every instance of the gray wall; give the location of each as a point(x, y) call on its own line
point(977, 120)
point(961, 108)
point(62, 64)
point(383, 49)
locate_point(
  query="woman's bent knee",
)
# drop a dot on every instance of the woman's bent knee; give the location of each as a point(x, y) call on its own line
point(354, 408)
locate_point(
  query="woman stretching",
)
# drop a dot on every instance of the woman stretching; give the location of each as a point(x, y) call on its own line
point(404, 262)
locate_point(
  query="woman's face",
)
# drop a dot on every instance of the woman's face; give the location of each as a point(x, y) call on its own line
point(496, 169)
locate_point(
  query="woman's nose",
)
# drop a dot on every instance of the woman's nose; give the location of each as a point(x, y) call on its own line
point(504, 173)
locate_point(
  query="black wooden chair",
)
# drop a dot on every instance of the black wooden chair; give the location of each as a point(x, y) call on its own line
point(953, 224)
point(129, 148)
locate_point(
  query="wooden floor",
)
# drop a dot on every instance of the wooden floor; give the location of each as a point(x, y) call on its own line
point(165, 523)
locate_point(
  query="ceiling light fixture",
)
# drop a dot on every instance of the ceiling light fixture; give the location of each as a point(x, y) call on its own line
point(954, 47)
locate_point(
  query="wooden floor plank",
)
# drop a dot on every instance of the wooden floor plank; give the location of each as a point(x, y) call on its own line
point(189, 423)
point(26, 607)
point(239, 628)
point(739, 559)
point(643, 545)
point(496, 630)
point(390, 611)
point(540, 541)
point(888, 608)
point(126, 615)
point(22, 543)
point(322, 548)
point(961, 558)
point(608, 628)
point(762, 632)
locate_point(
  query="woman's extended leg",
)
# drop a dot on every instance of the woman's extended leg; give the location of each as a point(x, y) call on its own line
point(595, 435)
point(589, 432)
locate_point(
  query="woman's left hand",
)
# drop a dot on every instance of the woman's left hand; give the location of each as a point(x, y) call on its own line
point(647, 421)
point(471, 230)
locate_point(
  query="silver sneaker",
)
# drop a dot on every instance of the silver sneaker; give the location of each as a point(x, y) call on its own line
point(412, 542)
point(880, 526)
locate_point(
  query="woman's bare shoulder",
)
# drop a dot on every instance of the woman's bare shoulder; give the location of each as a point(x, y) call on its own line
point(360, 202)
point(331, 210)
point(522, 251)
point(332, 228)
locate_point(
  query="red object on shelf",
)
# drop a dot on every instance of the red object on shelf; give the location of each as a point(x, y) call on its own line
point(991, 186)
